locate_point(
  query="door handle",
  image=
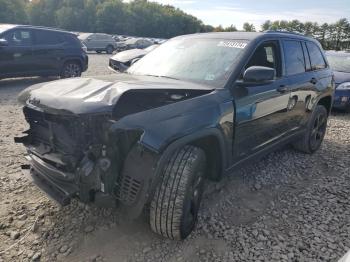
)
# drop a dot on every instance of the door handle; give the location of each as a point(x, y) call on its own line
point(282, 89)
point(313, 81)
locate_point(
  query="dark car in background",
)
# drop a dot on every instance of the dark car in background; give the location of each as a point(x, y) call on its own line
point(123, 60)
point(98, 42)
point(340, 63)
point(40, 51)
point(132, 43)
point(194, 109)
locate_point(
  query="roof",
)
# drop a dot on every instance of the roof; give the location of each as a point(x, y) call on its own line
point(10, 26)
point(248, 35)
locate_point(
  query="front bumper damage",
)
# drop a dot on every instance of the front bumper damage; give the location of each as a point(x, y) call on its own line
point(45, 176)
point(101, 142)
point(77, 157)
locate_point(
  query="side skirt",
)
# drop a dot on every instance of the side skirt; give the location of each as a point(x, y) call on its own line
point(260, 154)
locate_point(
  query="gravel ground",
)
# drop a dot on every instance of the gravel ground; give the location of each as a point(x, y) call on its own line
point(287, 207)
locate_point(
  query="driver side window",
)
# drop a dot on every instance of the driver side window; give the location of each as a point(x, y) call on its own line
point(19, 37)
point(267, 55)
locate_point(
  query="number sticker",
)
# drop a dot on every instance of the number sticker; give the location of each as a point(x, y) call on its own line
point(232, 44)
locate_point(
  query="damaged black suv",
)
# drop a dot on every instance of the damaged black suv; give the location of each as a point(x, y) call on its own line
point(195, 108)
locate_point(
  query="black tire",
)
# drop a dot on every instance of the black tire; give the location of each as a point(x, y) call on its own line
point(109, 49)
point(71, 69)
point(174, 208)
point(316, 130)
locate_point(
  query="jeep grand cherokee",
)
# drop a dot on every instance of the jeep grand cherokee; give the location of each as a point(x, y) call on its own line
point(195, 108)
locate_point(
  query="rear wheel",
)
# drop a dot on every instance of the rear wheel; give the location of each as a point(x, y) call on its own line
point(109, 49)
point(313, 137)
point(71, 69)
point(174, 208)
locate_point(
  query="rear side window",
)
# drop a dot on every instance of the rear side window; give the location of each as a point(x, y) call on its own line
point(316, 57)
point(294, 57)
point(307, 58)
point(72, 39)
point(43, 37)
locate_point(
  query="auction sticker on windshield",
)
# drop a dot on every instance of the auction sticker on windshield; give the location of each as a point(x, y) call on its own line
point(232, 44)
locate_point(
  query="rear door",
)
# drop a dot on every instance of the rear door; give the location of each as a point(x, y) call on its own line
point(261, 108)
point(301, 81)
point(17, 57)
point(48, 51)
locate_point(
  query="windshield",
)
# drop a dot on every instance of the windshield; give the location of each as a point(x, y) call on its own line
point(201, 60)
point(4, 27)
point(340, 63)
point(84, 36)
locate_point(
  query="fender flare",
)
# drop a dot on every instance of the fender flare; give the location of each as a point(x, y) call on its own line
point(150, 172)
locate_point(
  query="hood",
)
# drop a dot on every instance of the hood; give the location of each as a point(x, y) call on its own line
point(128, 55)
point(341, 77)
point(88, 95)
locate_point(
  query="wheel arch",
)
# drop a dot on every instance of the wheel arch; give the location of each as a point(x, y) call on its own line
point(211, 141)
point(146, 166)
point(326, 101)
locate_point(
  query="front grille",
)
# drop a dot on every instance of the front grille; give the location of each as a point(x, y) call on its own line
point(68, 135)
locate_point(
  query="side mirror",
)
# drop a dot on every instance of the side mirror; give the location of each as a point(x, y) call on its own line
point(259, 74)
point(3, 43)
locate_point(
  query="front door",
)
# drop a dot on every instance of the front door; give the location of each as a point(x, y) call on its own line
point(17, 58)
point(261, 108)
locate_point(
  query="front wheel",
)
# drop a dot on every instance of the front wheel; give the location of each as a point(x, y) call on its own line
point(316, 130)
point(174, 208)
point(71, 69)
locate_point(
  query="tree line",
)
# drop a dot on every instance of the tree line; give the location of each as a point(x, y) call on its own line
point(149, 19)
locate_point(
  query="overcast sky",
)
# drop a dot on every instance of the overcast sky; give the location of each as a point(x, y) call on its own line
point(236, 12)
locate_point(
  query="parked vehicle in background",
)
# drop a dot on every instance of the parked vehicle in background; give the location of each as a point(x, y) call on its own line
point(98, 42)
point(123, 60)
point(340, 63)
point(195, 108)
point(40, 51)
point(139, 43)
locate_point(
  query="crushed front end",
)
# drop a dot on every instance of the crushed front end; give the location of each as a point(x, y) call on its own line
point(76, 155)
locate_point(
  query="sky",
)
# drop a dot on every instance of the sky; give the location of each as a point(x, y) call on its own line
point(236, 12)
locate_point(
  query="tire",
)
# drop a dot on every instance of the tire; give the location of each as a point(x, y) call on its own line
point(109, 49)
point(174, 208)
point(71, 69)
point(316, 130)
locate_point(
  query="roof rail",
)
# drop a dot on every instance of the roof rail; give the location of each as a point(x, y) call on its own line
point(283, 32)
point(43, 27)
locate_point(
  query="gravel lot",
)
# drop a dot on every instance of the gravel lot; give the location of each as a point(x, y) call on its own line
point(287, 207)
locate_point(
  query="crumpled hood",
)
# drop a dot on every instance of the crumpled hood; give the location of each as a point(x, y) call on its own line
point(128, 55)
point(88, 95)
